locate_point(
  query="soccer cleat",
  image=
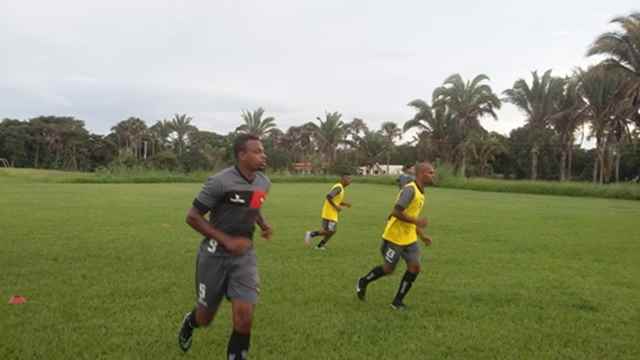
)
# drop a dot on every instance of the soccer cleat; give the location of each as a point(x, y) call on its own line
point(398, 306)
point(360, 289)
point(307, 238)
point(185, 334)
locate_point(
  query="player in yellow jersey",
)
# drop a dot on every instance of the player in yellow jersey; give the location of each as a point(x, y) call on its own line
point(400, 236)
point(333, 204)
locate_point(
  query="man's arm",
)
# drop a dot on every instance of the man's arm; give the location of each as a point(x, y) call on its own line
point(267, 230)
point(235, 245)
point(332, 194)
point(335, 206)
point(405, 198)
point(425, 238)
point(398, 212)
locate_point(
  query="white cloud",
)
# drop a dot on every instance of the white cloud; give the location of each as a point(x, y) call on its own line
point(105, 61)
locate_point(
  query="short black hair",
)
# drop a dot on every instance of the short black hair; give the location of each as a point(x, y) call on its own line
point(240, 143)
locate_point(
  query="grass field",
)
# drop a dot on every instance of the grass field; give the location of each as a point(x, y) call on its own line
point(108, 271)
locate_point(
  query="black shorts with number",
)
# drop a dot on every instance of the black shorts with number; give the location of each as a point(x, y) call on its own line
point(391, 252)
point(329, 225)
point(221, 275)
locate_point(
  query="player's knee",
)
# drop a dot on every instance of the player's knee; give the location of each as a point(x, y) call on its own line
point(388, 268)
point(203, 317)
point(242, 321)
point(414, 269)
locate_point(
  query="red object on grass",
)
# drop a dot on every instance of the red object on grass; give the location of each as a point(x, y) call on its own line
point(17, 300)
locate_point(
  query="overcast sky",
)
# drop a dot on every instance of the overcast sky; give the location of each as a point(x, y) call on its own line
point(103, 61)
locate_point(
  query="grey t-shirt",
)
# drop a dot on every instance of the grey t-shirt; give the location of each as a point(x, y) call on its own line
point(233, 201)
point(406, 195)
point(404, 179)
point(334, 192)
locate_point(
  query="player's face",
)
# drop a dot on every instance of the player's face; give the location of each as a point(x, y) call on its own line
point(429, 174)
point(346, 180)
point(254, 156)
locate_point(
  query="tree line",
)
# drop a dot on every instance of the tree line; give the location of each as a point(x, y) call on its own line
point(601, 103)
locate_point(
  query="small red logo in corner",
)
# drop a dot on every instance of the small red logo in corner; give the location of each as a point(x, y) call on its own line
point(257, 198)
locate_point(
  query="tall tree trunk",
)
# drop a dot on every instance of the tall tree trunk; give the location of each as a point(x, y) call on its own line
point(37, 157)
point(569, 173)
point(463, 164)
point(563, 164)
point(534, 162)
point(602, 166)
point(617, 162)
point(596, 166)
point(388, 160)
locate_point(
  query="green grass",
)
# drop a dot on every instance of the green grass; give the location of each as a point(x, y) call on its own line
point(628, 191)
point(108, 271)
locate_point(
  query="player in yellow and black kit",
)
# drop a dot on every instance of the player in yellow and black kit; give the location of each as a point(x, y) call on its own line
point(333, 204)
point(401, 234)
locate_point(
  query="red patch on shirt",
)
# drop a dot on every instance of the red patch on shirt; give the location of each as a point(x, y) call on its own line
point(257, 198)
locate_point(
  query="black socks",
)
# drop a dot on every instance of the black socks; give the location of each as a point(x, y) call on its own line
point(405, 286)
point(374, 274)
point(238, 347)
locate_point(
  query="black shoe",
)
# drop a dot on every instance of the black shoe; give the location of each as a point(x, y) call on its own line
point(361, 289)
point(398, 306)
point(184, 336)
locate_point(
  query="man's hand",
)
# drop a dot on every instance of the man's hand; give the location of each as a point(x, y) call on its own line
point(427, 240)
point(421, 223)
point(236, 245)
point(267, 232)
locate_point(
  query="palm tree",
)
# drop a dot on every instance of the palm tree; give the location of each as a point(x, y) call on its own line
point(623, 51)
point(254, 124)
point(485, 146)
point(130, 133)
point(356, 127)
point(390, 131)
point(159, 134)
point(330, 133)
point(537, 102)
point(567, 116)
point(436, 128)
point(603, 91)
point(469, 101)
point(181, 125)
point(354, 132)
point(372, 144)
point(298, 142)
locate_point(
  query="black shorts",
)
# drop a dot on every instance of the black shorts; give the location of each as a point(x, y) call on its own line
point(329, 225)
point(233, 277)
point(392, 252)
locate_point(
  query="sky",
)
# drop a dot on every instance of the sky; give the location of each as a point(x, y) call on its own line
point(104, 61)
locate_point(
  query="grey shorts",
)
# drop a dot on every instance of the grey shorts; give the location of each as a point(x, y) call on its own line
point(391, 253)
point(329, 225)
point(234, 277)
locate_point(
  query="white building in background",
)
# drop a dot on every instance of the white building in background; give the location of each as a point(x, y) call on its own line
point(378, 169)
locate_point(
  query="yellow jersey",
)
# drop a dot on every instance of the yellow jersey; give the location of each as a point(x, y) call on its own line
point(398, 231)
point(328, 211)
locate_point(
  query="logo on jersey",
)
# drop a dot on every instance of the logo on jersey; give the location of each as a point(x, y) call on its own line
point(257, 199)
point(236, 199)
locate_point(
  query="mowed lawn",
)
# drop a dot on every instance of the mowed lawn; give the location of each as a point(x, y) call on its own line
point(108, 272)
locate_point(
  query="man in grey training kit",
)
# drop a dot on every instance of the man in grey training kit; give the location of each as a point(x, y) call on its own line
point(226, 260)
